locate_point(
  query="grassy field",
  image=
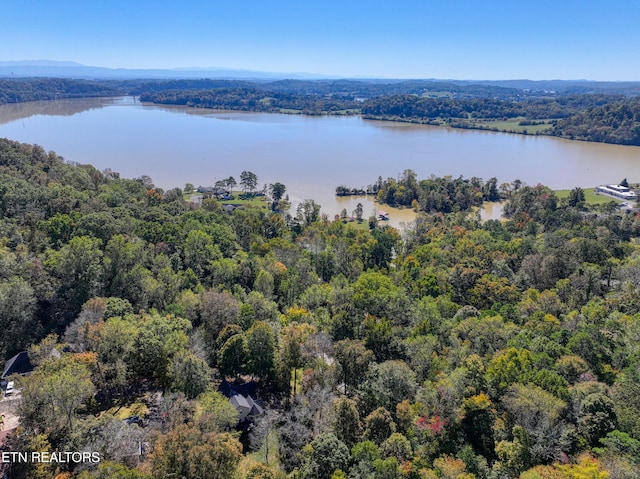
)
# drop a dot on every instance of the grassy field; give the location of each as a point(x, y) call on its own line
point(514, 126)
point(256, 201)
point(590, 196)
point(124, 411)
point(364, 225)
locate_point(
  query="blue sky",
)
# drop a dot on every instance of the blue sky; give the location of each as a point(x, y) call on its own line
point(463, 39)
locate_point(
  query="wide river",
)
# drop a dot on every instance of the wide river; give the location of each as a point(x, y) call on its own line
point(310, 155)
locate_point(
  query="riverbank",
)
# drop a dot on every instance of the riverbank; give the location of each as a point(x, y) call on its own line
point(520, 125)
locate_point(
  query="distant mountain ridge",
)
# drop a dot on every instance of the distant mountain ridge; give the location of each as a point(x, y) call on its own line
point(42, 63)
point(58, 69)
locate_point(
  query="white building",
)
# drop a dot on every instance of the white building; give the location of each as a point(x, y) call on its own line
point(618, 191)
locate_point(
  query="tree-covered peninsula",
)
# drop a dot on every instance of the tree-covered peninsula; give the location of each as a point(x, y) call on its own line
point(36, 89)
point(453, 349)
point(617, 122)
point(591, 117)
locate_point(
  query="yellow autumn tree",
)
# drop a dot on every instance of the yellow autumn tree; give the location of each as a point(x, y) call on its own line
point(587, 468)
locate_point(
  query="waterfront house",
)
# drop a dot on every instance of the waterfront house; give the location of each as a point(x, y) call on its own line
point(618, 191)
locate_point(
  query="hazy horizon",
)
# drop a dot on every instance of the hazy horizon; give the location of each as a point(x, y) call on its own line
point(411, 39)
point(263, 74)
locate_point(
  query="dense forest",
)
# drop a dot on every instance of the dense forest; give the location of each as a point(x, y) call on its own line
point(35, 89)
point(617, 122)
point(23, 89)
point(274, 97)
point(246, 99)
point(453, 349)
point(341, 88)
point(412, 108)
point(439, 195)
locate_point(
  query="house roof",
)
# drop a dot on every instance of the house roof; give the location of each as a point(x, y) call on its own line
point(256, 409)
point(240, 397)
point(19, 364)
point(246, 389)
point(242, 402)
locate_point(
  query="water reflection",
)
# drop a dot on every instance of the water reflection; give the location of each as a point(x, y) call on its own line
point(19, 111)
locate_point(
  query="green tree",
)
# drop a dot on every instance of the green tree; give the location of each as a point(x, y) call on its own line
point(308, 212)
point(576, 197)
point(264, 471)
point(227, 332)
point(232, 356)
point(189, 373)
point(78, 267)
point(277, 191)
point(353, 361)
point(386, 244)
point(292, 355)
point(120, 256)
point(376, 294)
point(398, 446)
point(422, 355)
point(364, 454)
point(327, 454)
point(620, 443)
point(198, 251)
point(159, 338)
point(540, 415)
point(387, 384)
point(264, 283)
point(215, 413)
point(248, 181)
point(347, 426)
point(490, 190)
point(114, 343)
point(379, 426)
point(386, 468)
point(216, 310)
point(379, 337)
point(507, 367)
point(231, 182)
point(514, 456)
point(117, 307)
point(261, 349)
point(477, 423)
point(52, 396)
point(188, 453)
point(626, 396)
point(17, 315)
point(596, 417)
